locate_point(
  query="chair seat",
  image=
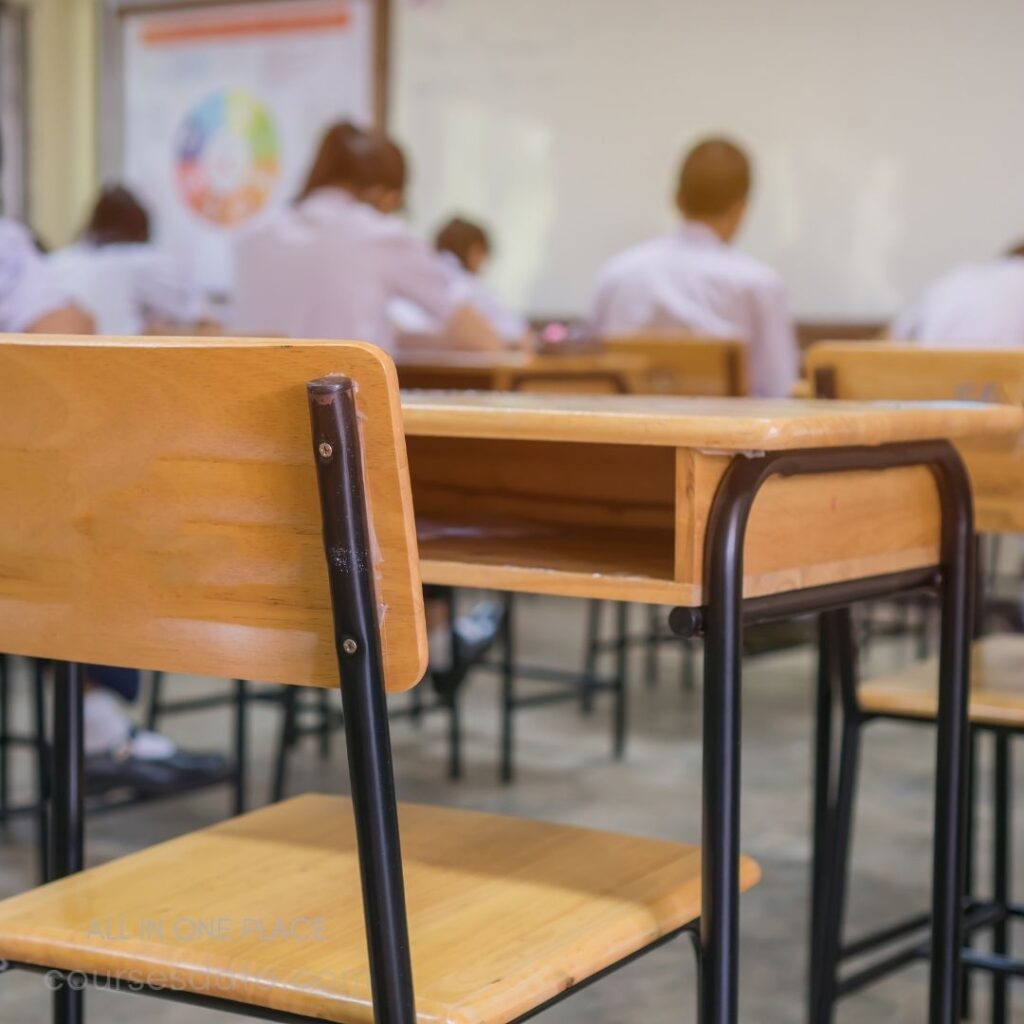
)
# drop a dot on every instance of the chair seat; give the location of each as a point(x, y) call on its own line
point(997, 686)
point(266, 909)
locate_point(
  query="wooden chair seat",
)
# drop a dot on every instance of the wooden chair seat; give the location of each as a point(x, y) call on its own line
point(266, 909)
point(997, 686)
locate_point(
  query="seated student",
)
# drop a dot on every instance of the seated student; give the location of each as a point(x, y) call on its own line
point(31, 301)
point(694, 281)
point(978, 304)
point(122, 279)
point(465, 249)
point(117, 753)
point(329, 265)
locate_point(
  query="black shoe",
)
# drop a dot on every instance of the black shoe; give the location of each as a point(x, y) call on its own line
point(149, 776)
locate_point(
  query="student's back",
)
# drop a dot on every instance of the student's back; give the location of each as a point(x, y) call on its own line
point(977, 304)
point(327, 268)
point(330, 265)
point(31, 299)
point(114, 272)
point(694, 281)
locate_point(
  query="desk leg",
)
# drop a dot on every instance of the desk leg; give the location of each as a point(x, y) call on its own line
point(953, 740)
point(723, 652)
point(821, 782)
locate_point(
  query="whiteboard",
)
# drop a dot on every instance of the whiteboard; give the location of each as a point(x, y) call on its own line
point(886, 135)
point(224, 105)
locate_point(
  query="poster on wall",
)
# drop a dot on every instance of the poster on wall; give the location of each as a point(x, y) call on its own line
point(224, 105)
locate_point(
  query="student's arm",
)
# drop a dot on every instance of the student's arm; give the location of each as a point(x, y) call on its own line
point(467, 328)
point(68, 319)
point(415, 272)
point(774, 354)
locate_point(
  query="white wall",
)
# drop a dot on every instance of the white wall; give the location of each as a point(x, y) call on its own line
point(889, 136)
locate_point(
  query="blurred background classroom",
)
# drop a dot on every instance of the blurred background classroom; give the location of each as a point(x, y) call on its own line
point(856, 177)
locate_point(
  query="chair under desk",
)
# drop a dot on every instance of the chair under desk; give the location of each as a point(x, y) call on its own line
point(893, 371)
point(731, 511)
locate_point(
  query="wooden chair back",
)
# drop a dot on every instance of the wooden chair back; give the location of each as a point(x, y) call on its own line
point(868, 370)
point(160, 507)
point(685, 365)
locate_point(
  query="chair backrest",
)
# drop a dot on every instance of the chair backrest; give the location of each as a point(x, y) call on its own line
point(160, 507)
point(685, 365)
point(869, 370)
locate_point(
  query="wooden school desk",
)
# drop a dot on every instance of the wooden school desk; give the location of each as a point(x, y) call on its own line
point(589, 373)
point(653, 500)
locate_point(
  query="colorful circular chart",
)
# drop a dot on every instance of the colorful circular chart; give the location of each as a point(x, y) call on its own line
point(227, 157)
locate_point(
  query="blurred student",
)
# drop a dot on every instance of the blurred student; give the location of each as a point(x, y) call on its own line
point(694, 281)
point(979, 304)
point(116, 273)
point(118, 753)
point(465, 249)
point(329, 265)
point(31, 300)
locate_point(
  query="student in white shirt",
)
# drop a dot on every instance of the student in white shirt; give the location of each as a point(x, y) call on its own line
point(31, 301)
point(128, 286)
point(694, 281)
point(465, 249)
point(118, 755)
point(978, 304)
point(328, 266)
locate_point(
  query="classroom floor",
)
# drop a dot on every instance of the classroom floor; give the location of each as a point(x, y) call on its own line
point(566, 774)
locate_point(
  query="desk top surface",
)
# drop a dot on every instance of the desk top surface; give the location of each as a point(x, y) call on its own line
point(728, 424)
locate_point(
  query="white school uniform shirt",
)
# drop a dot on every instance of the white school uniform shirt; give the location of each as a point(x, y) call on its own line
point(28, 291)
point(126, 286)
point(466, 289)
point(978, 304)
point(692, 281)
point(328, 267)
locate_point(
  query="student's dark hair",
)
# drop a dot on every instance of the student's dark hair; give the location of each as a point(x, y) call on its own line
point(337, 160)
point(459, 236)
point(118, 217)
point(382, 163)
point(715, 176)
point(1016, 250)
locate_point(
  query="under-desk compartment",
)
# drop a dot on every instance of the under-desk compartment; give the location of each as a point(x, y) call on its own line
point(547, 516)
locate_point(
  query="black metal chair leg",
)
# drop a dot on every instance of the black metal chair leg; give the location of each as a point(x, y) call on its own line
point(455, 735)
point(5, 750)
point(324, 735)
point(67, 807)
point(508, 665)
point(621, 679)
point(821, 783)
point(42, 771)
point(241, 745)
point(357, 637)
point(155, 707)
point(651, 646)
point(970, 861)
point(1002, 868)
point(285, 743)
point(833, 906)
point(594, 609)
point(689, 666)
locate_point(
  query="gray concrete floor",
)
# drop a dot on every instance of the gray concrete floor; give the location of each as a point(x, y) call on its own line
point(566, 774)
